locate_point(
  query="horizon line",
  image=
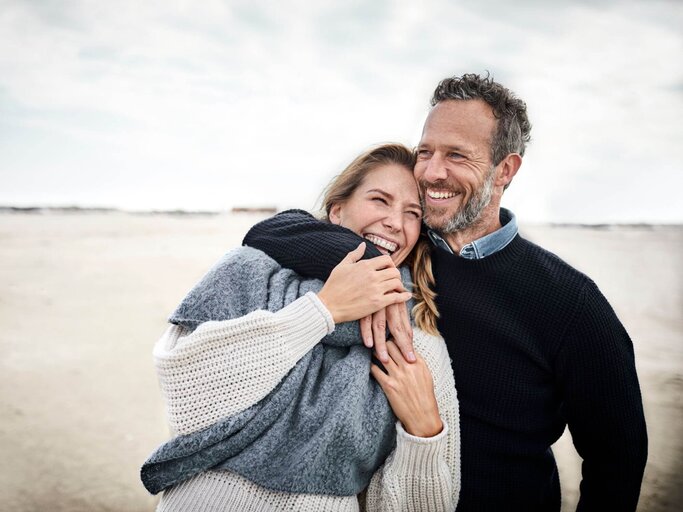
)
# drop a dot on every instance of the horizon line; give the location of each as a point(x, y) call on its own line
point(273, 210)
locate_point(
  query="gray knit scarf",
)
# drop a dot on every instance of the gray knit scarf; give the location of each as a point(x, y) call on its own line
point(327, 426)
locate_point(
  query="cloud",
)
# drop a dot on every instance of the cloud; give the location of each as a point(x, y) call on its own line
point(234, 102)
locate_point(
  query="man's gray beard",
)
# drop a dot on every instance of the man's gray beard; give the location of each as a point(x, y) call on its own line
point(469, 214)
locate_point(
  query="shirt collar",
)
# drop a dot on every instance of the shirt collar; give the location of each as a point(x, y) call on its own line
point(486, 245)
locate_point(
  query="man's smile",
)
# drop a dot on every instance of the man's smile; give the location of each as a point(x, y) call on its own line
point(439, 196)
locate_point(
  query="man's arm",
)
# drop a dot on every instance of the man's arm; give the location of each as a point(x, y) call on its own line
point(310, 247)
point(603, 406)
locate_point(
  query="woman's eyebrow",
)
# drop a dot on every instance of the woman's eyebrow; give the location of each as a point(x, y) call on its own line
point(388, 195)
point(379, 191)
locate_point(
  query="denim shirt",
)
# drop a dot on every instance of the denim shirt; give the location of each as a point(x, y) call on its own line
point(486, 245)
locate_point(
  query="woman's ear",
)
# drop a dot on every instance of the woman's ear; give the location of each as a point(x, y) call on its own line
point(335, 214)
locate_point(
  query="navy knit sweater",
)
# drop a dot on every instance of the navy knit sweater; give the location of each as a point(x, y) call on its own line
point(534, 347)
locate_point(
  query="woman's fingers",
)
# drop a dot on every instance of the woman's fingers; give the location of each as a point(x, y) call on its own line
point(379, 335)
point(366, 330)
point(395, 316)
point(410, 391)
point(379, 263)
point(388, 274)
point(393, 297)
point(355, 255)
point(401, 330)
point(357, 288)
point(379, 376)
point(394, 359)
point(395, 354)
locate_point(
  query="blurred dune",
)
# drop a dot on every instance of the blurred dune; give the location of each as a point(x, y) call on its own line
point(85, 296)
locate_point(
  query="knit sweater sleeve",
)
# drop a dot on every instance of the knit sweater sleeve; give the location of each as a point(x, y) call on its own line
point(299, 241)
point(603, 406)
point(423, 474)
point(221, 368)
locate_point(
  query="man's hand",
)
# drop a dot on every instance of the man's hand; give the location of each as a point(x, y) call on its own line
point(373, 331)
point(357, 288)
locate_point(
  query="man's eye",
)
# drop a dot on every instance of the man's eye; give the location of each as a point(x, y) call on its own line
point(455, 155)
point(423, 153)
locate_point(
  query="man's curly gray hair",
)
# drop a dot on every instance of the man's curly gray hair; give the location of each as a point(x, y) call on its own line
point(513, 130)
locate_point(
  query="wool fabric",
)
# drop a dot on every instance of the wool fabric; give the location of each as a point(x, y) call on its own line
point(535, 347)
point(327, 425)
point(225, 368)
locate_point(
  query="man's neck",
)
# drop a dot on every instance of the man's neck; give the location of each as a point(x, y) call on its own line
point(487, 224)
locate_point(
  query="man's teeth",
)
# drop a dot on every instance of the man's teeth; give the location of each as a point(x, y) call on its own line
point(381, 242)
point(440, 195)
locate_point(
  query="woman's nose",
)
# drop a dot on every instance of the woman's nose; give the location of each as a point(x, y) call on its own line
point(394, 221)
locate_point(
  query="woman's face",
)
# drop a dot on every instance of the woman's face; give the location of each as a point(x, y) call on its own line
point(384, 209)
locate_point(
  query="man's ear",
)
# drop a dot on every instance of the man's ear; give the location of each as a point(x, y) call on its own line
point(335, 214)
point(507, 169)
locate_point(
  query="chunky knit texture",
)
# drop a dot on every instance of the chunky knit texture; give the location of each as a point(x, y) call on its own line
point(208, 374)
point(535, 346)
point(227, 366)
point(324, 429)
point(419, 475)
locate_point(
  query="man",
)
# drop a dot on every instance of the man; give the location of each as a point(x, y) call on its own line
point(534, 344)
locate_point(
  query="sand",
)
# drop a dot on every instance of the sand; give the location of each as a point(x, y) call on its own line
point(85, 296)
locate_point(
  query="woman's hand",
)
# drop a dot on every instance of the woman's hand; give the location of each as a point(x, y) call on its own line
point(410, 390)
point(357, 288)
point(373, 331)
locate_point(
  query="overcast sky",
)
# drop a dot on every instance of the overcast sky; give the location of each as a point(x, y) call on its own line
point(214, 104)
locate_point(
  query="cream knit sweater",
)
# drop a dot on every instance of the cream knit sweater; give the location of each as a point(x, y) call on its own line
point(224, 367)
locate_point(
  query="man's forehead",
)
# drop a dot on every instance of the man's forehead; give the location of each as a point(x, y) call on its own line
point(459, 123)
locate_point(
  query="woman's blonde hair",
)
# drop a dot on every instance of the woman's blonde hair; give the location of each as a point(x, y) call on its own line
point(424, 311)
point(343, 186)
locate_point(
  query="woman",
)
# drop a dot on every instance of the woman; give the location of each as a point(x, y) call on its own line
point(222, 372)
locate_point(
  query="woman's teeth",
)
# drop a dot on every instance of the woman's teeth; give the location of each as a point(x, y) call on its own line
point(381, 242)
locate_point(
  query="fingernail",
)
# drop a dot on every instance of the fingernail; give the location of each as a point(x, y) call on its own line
point(368, 342)
point(384, 356)
point(411, 357)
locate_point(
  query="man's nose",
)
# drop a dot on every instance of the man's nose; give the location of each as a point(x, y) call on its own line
point(435, 169)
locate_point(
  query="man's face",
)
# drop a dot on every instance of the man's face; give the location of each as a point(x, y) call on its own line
point(454, 169)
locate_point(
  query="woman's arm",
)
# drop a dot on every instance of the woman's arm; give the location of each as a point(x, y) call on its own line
point(224, 367)
point(423, 474)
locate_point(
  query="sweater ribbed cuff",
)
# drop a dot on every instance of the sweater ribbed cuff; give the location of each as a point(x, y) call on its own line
point(323, 310)
point(419, 455)
point(400, 431)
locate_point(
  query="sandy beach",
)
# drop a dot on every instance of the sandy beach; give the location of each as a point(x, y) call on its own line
point(86, 295)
